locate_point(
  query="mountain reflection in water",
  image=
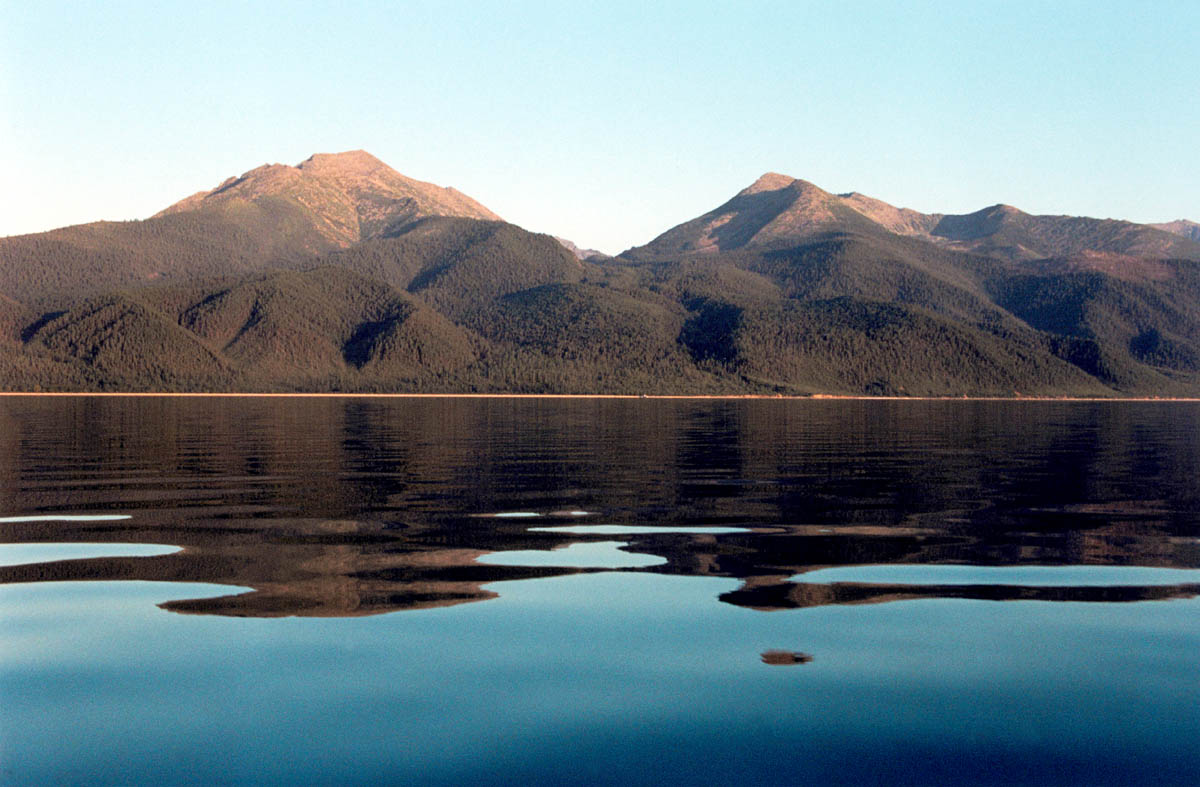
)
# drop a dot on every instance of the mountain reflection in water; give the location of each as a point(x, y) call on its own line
point(343, 568)
point(360, 507)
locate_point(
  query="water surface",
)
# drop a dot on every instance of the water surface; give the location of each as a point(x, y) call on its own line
point(549, 591)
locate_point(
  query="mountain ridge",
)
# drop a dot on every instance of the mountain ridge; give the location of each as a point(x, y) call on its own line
point(341, 274)
point(1183, 227)
point(355, 195)
point(777, 209)
point(274, 215)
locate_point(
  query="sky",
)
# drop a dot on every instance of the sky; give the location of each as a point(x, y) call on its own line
point(608, 122)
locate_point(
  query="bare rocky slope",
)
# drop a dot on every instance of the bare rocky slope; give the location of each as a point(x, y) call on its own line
point(1182, 227)
point(349, 196)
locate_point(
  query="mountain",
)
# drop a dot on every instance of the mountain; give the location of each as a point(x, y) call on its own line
point(1004, 231)
point(130, 344)
point(50, 270)
point(1182, 227)
point(349, 197)
point(340, 274)
point(774, 211)
point(777, 211)
point(460, 265)
point(581, 254)
point(272, 216)
point(832, 289)
point(284, 330)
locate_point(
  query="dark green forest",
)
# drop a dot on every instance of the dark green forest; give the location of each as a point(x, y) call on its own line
point(251, 298)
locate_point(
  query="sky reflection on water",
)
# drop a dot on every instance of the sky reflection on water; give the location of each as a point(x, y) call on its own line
point(19, 554)
point(869, 543)
point(1033, 576)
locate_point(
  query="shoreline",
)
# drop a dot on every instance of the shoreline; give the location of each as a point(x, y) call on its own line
point(683, 397)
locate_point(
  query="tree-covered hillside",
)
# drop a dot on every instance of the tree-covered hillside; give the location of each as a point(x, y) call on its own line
point(784, 289)
point(51, 269)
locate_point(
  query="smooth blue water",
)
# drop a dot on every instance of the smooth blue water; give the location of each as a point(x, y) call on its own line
point(19, 554)
point(974, 593)
point(1032, 576)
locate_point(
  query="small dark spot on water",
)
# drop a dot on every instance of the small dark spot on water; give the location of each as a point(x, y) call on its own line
point(785, 658)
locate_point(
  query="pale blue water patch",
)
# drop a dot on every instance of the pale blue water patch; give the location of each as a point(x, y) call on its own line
point(531, 514)
point(597, 554)
point(1027, 576)
point(635, 530)
point(66, 616)
point(65, 518)
point(547, 682)
point(20, 554)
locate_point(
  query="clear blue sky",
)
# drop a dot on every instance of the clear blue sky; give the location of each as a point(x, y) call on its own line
point(608, 122)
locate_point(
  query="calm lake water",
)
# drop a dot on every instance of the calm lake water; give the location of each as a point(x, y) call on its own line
point(636, 591)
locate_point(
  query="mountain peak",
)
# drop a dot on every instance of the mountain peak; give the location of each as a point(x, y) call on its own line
point(769, 181)
point(773, 210)
point(1002, 209)
point(775, 181)
point(347, 162)
point(349, 196)
point(1182, 227)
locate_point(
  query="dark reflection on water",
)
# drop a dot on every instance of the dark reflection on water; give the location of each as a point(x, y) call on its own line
point(356, 507)
point(628, 551)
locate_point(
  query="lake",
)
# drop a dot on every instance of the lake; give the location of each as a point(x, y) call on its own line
point(449, 591)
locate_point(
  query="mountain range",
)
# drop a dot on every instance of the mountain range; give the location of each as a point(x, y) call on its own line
point(778, 211)
point(342, 274)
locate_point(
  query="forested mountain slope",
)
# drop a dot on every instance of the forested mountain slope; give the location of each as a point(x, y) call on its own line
point(273, 216)
point(341, 274)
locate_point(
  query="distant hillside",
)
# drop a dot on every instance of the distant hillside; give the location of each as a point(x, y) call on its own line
point(773, 212)
point(461, 265)
point(273, 216)
point(51, 269)
point(342, 275)
point(858, 345)
point(349, 197)
point(129, 344)
point(582, 254)
point(1131, 332)
point(855, 315)
point(1182, 227)
point(1034, 304)
point(300, 327)
point(778, 211)
point(1002, 230)
point(281, 331)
